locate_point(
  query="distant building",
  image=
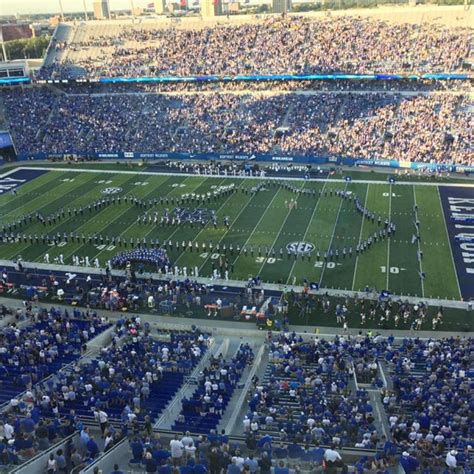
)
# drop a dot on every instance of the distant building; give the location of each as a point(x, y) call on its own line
point(101, 9)
point(234, 7)
point(160, 7)
point(207, 8)
point(54, 20)
point(15, 31)
point(281, 6)
point(211, 8)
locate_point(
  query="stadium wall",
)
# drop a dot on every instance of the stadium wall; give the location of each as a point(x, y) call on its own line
point(309, 160)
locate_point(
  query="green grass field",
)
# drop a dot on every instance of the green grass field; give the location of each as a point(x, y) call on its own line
point(256, 220)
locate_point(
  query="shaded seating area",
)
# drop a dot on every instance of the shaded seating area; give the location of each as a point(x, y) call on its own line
point(203, 411)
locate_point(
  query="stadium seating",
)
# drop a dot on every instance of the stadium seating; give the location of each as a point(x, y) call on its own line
point(431, 396)
point(381, 126)
point(139, 378)
point(31, 353)
point(307, 394)
point(340, 44)
point(202, 412)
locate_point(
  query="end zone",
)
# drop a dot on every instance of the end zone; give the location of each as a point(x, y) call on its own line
point(17, 177)
point(458, 209)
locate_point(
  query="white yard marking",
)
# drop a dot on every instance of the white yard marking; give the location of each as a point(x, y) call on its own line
point(332, 237)
point(419, 247)
point(256, 226)
point(388, 237)
point(360, 238)
point(278, 233)
point(306, 232)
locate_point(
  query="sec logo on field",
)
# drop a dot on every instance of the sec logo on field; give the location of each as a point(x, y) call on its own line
point(111, 190)
point(300, 247)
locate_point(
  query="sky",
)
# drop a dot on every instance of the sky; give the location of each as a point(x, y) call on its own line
point(10, 7)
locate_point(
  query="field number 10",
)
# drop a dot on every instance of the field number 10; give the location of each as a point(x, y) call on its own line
point(395, 270)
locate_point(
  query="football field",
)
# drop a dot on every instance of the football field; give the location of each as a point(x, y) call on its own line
point(275, 231)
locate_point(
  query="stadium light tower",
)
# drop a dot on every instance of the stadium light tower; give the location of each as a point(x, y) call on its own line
point(4, 51)
point(85, 9)
point(61, 10)
point(132, 6)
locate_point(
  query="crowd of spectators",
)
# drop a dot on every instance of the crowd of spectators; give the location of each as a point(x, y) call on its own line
point(308, 395)
point(283, 45)
point(423, 128)
point(129, 383)
point(123, 389)
point(430, 404)
point(32, 352)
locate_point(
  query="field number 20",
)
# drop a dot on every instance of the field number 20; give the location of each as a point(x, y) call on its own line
point(319, 264)
point(395, 270)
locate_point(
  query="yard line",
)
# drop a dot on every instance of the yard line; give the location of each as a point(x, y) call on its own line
point(419, 247)
point(205, 228)
point(387, 270)
point(54, 230)
point(281, 228)
point(306, 231)
point(230, 228)
point(97, 231)
point(134, 223)
point(360, 237)
point(332, 236)
point(71, 189)
point(257, 224)
point(449, 242)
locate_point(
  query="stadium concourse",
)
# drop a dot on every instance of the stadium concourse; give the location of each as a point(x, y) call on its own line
point(153, 394)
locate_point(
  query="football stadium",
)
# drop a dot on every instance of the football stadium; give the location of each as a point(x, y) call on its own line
point(236, 237)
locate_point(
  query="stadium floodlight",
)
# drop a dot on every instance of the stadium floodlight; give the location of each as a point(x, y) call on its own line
point(61, 10)
point(4, 51)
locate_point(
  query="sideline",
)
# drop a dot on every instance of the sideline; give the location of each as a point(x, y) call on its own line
point(235, 284)
point(279, 178)
point(244, 329)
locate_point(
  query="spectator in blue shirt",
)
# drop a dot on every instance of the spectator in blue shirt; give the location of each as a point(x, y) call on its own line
point(233, 468)
point(137, 449)
point(408, 463)
point(116, 470)
point(281, 469)
point(92, 448)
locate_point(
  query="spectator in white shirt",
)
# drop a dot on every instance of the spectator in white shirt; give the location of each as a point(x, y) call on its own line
point(177, 450)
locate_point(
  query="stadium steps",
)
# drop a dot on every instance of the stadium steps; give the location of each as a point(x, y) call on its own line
point(63, 33)
point(340, 112)
point(196, 423)
point(233, 403)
